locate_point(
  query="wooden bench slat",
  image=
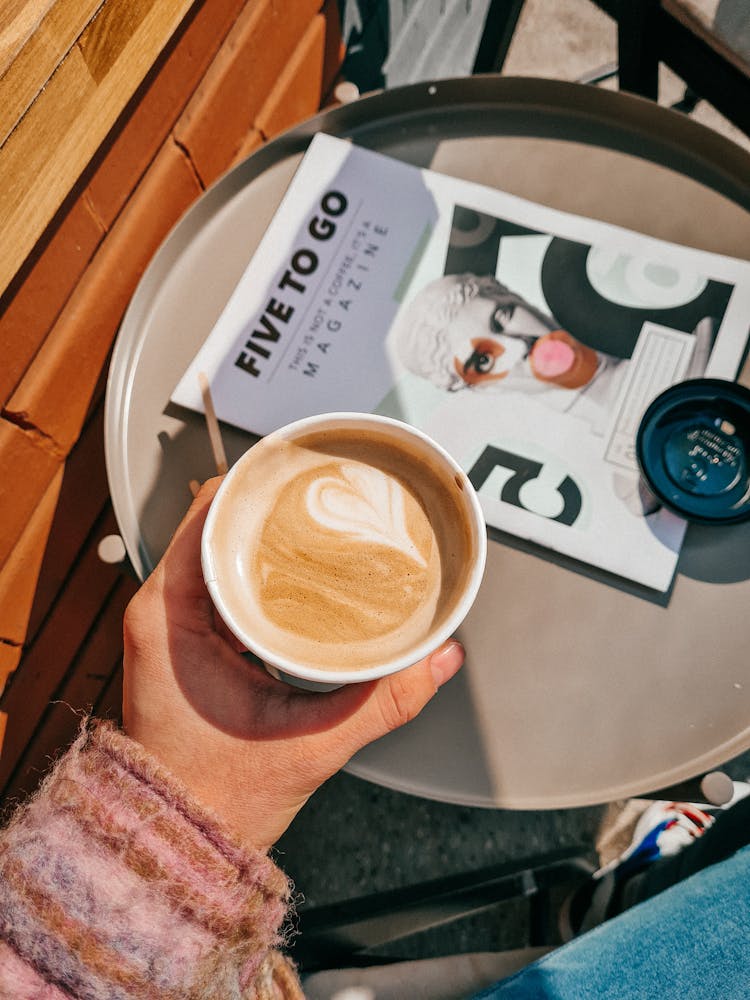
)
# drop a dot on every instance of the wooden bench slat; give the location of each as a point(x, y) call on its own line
point(38, 56)
point(48, 659)
point(89, 675)
point(84, 494)
point(47, 151)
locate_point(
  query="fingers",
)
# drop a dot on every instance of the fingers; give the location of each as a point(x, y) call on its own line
point(400, 697)
point(446, 661)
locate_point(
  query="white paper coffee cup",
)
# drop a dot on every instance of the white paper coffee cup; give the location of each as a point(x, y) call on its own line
point(235, 499)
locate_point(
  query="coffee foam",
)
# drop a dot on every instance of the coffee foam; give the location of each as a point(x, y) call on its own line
point(343, 548)
point(363, 504)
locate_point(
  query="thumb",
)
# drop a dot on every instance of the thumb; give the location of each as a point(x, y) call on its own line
point(400, 697)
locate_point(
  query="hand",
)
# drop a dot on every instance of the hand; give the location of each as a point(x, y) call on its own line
point(250, 747)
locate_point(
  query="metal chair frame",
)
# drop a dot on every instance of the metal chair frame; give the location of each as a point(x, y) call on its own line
point(654, 31)
point(338, 935)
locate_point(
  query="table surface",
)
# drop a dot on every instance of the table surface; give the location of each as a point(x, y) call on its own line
point(578, 688)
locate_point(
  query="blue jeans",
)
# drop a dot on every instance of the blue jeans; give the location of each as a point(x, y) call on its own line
point(690, 941)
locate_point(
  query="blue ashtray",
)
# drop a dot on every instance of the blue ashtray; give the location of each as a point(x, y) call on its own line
point(693, 448)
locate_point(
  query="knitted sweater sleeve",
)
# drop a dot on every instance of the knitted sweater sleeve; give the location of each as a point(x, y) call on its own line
point(115, 884)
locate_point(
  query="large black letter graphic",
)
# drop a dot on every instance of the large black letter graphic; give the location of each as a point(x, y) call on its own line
point(524, 470)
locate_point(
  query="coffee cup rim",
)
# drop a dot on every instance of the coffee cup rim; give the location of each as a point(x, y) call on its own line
point(419, 651)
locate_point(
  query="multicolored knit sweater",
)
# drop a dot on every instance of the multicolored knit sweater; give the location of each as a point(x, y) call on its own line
point(115, 884)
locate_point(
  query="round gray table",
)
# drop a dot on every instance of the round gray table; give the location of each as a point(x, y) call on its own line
point(619, 691)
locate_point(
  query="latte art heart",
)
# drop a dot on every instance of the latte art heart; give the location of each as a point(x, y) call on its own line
point(365, 505)
point(343, 549)
point(347, 554)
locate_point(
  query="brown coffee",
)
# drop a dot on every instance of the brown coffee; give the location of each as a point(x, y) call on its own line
point(342, 549)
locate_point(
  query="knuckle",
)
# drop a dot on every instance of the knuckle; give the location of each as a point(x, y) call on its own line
point(396, 703)
point(135, 621)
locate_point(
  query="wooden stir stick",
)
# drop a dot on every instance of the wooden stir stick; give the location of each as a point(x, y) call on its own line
point(214, 434)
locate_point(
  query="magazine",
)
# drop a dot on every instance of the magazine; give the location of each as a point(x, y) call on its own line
point(525, 340)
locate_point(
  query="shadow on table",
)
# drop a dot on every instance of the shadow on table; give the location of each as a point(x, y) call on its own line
point(716, 554)
point(457, 770)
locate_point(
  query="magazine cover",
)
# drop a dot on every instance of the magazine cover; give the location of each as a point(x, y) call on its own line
point(527, 341)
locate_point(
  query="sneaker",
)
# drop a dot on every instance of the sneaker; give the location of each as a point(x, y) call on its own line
point(663, 829)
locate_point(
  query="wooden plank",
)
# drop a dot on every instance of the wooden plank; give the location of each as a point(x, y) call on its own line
point(39, 56)
point(89, 675)
point(55, 140)
point(20, 574)
point(36, 570)
point(215, 123)
point(29, 314)
point(55, 392)
point(84, 493)
point(299, 88)
point(10, 656)
point(20, 19)
point(106, 38)
point(27, 466)
point(146, 125)
point(47, 661)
